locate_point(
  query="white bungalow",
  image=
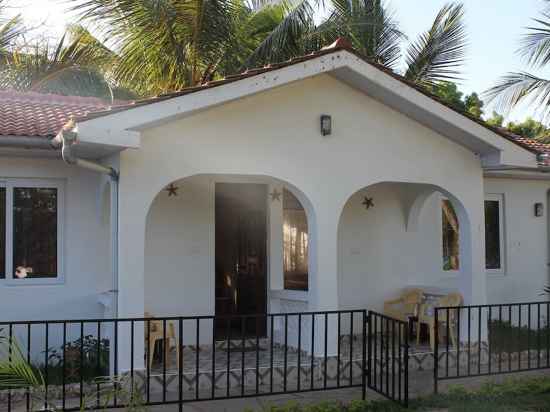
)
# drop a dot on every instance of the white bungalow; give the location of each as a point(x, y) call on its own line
point(321, 183)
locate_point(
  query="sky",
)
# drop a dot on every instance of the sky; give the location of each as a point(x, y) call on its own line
point(494, 29)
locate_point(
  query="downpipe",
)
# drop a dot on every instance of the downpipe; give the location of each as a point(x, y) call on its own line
point(67, 139)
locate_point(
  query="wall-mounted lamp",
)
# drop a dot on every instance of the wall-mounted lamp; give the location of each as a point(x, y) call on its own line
point(326, 125)
point(539, 209)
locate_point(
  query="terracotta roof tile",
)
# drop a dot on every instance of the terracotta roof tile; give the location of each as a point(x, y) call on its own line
point(34, 114)
point(41, 115)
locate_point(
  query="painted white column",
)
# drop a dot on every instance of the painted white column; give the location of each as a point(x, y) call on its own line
point(323, 284)
point(131, 279)
point(275, 240)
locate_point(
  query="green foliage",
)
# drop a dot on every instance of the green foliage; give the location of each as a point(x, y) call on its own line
point(448, 92)
point(528, 128)
point(87, 357)
point(506, 337)
point(496, 120)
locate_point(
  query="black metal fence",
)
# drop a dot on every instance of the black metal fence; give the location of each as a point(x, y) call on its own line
point(388, 357)
point(100, 363)
point(483, 340)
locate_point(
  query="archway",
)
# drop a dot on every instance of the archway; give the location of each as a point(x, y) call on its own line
point(391, 237)
point(184, 270)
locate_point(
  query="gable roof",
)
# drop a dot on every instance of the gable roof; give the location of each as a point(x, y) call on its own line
point(41, 115)
point(339, 45)
point(44, 115)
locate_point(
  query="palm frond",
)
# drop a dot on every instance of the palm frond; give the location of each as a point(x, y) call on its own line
point(15, 371)
point(10, 29)
point(535, 45)
point(288, 39)
point(438, 53)
point(521, 87)
point(368, 25)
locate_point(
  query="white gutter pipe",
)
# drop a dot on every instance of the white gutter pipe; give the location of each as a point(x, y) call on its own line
point(65, 141)
point(68, 138)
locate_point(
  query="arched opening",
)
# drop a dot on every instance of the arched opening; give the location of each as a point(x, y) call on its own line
point(221, 244)
point(398, 236)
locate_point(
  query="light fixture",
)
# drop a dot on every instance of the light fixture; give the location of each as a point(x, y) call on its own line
point(539, 209)
point(326, 125)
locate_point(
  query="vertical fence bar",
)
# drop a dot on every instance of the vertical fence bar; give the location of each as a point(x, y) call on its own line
point(63, 368)
point(469, 338)
point(387, 356)
point(529, 336)
point(365, 374)
point(271, 357)
point(312, 366)
point(448, 326)
point(115, 395)
point(436, 350)
point(373, 318)
point(258, 323)
point(406, 377)
point(28, 394)
point(509, 353)
point(180, 364)
point(213, 389)
point(197, 354)
point(98, 364)
point(500, 352)
point(538, 335)
point(132, 354)
point(81, 366)
point(228, 366)
point(285, 362)
point(338, 350)
point(150, 357)
point(243, 344)
point(489, 337)
point(479, 340)
point(299, 361)
point(326, 352)
point(351, 349)
point(46, 362)
point(519, 337)
point(457, 341)
point(393, 358)
point(164, 359)
point(399, 359)
point(10, 343)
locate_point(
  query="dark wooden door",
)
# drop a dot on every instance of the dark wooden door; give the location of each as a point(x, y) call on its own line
point(241, 257)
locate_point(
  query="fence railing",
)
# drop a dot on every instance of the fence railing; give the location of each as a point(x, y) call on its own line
point(483, 340)
point(103, 363)
point(388, 360)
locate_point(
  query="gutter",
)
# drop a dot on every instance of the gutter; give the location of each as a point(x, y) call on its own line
point(539, 169)
point(65, 141)
point(67, 138)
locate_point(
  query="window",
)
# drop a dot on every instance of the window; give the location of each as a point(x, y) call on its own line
point(494, 233)
point(450, 229)
point(295, 243)
point(30, 230)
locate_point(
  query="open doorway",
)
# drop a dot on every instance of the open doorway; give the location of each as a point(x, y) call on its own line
point(241, 258)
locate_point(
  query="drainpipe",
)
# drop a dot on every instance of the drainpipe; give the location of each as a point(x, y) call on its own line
point(67, 138)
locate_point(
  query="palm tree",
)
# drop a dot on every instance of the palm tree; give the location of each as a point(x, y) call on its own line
point(10, 29)
point(435, 56)
point(524, 87)
point(165, 45)
point(78, 64)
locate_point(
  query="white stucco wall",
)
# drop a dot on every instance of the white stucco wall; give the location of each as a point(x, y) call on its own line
point(85, 254)
point(276, 133)
point(379, 257)
point(526, 241)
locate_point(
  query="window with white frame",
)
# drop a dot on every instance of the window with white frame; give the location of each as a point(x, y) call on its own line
point(494, 232)
point(30, 230)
